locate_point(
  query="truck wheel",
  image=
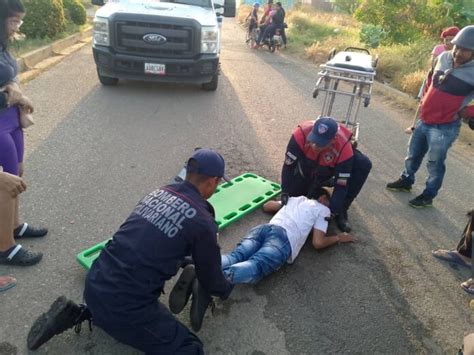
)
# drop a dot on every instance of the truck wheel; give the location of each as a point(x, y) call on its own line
point(212, 85)
point(107, 80)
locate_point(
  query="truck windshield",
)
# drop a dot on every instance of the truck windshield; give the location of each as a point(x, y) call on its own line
point(202, 3)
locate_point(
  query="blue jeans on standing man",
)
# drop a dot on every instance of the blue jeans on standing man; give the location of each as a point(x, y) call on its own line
point(434, 139)
point(263, 250)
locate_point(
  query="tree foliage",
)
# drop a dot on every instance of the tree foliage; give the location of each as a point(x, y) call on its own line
point(372, 35)
point(75, 11)
point(45, 18)
point(408, 20)
point(347, 6)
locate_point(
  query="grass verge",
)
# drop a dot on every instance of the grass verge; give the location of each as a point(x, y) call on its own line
point(26, 45)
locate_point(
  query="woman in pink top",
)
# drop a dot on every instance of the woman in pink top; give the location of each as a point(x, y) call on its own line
point(446, 36)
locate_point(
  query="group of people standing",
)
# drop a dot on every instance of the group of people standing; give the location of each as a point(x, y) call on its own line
point(13, 104)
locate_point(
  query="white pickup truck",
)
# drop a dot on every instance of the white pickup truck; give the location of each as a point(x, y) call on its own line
point(159, 40)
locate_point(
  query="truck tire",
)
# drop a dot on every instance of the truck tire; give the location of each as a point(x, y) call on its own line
point(107, 80)
point(212, 85)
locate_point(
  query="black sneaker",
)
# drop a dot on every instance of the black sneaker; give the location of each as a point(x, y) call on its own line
point(421, 201)
point(61, 316)
point(200, 302)
point(399, 185)
point(342, 222)
point(181, 291)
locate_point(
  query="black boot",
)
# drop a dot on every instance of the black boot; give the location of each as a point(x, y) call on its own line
point(61, 316)
point(200, 302)
point(181, 291)
point(342, 222)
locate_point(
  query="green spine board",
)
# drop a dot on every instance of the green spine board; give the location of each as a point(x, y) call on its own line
point(231, 201)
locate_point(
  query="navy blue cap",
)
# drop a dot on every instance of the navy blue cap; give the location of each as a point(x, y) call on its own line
point(207, 162)
point(323, 132)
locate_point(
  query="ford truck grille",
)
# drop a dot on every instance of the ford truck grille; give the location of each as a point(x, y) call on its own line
point(129, 39)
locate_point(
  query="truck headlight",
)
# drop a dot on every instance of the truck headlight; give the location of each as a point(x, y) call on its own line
point(209, 39)
point(101, 31)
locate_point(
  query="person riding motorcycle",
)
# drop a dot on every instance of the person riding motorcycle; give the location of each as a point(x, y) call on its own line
point(277, 18)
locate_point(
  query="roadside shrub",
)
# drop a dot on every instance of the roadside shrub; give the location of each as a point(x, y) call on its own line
point(75, 11)
point(372, 35)
point(305, 29)
point(411, 83)
point(347, 6)
point(44, 18)
point(396, 61)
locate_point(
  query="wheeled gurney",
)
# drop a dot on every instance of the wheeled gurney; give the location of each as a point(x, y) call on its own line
point(348, 73)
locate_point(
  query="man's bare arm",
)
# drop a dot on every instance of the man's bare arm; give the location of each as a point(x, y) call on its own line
point(272, 206)
point(321, 241)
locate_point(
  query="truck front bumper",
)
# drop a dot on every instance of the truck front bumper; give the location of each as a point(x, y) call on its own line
point(122, 66)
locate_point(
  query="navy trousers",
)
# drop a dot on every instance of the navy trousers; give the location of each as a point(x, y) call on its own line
point(164, 335)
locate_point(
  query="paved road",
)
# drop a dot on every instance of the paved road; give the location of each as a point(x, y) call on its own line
point(95, 151)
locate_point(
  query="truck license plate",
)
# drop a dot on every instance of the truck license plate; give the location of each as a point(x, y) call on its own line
point(153, 68)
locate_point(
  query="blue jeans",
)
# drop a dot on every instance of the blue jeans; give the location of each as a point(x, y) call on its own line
point(436, 141)
point(262, 251)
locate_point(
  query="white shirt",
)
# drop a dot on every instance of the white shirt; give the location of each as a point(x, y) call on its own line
point(299, 216)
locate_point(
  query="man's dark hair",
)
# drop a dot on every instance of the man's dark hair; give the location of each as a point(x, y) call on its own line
point(8, 8)
point(318, 192)
point(279, 4)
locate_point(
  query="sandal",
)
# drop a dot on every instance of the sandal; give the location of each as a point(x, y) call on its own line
point(6, 283)
point(468, 286)
point(21, 257)
point(26, 231)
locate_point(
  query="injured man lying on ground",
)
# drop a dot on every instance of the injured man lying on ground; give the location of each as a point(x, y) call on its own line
point(264, 249)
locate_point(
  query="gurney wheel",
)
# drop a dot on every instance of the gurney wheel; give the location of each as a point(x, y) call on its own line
point(366, 102)
point(315, 93)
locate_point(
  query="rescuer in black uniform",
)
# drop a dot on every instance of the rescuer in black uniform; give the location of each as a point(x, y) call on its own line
point(124, 283)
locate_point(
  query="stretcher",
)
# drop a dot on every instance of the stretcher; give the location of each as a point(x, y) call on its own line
point(348, 73)
point(231, 201)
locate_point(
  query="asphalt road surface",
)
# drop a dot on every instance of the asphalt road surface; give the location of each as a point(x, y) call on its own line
point(95, 151)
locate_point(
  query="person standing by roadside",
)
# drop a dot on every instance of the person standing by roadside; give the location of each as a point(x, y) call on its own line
point(447, 36)
point(10, 187)
point(11, 138)
point(443, 107)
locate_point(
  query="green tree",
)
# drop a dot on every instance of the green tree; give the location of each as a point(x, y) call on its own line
point(406, 21)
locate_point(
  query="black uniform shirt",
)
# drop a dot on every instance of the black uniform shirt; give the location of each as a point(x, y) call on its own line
point(129, 275)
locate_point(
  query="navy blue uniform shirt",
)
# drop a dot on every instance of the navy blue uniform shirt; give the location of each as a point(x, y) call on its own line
point(168, 224)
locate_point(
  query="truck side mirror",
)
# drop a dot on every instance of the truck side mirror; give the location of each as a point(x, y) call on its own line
point(229, 8)
point(98, 2)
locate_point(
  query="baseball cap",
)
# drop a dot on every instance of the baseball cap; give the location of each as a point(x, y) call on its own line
point(324, 130)
point(450, 32)
point(207, 162)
